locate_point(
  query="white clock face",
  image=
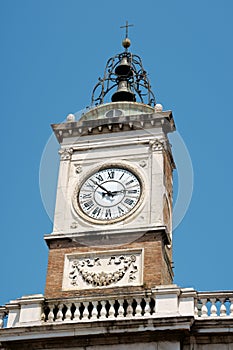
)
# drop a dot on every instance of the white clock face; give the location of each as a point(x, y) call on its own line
point(109, 194)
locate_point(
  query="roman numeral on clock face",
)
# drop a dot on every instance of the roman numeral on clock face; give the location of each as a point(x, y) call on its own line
point(120, 210)
point(99, 177)
point(88, 184)
point(88, 205)
point(129, 182)
point(86, 195)
point(132, 191)
point(96, 211)
point(111, 174)
point(128, 201)
point(108, 213)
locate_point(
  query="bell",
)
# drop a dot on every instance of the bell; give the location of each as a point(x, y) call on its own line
point(123, 93)
point(123, 69)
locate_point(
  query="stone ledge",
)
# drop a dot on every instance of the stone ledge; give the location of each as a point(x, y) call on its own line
point(113, 327)
point(72, 238)
point(116, 124)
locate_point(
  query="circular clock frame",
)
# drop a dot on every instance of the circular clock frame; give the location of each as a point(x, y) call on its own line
point(108, 195)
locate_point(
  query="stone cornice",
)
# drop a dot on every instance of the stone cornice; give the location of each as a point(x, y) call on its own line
point(163, 120)
point(112, 328)
point(178, 328)
point(96, 236)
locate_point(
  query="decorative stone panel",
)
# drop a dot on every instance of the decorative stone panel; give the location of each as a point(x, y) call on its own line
point(114, 268)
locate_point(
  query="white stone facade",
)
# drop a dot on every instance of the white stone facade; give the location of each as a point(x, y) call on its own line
point(140, 157)
point(141, 150)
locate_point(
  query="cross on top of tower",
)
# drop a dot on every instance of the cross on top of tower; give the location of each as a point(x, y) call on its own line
point(126, 42)
point(127, 25)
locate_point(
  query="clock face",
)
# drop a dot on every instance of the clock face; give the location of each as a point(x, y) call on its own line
point(109, 194)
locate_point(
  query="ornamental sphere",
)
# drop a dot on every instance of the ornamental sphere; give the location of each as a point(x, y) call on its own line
point(126, 43)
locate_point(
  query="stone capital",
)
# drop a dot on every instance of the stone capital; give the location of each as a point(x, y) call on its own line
point(66, 153)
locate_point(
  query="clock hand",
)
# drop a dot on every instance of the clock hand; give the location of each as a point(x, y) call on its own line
point(117, 192)
point(103, 194)
point(103, 188)
point(106, 195)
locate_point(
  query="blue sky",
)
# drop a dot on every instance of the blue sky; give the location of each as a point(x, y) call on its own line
point(52, 53)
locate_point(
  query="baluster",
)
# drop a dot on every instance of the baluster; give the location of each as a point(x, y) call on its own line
point(59, 316)
point(121, 309)
point(76, 313)
point(129, 311)
point(103, 311)
point(196, 310)
point(43, 317)
point(147, 308)
point(231, 308)
point(51, 314)
point(152, 306)
point(223, 309)
point(198, 304)
point(138, 310)
point(2, 315)
point(85, 311)
point(68, 313)
point(204, 310)
point(94, 312)
point(111, 313)
point(213, 309)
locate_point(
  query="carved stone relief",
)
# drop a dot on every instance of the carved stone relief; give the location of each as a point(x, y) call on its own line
point(157, 145)
point(78, 168)
point(103, 269)
point(66, 153)
point(142, 163)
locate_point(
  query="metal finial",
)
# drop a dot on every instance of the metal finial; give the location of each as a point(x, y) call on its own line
point(127, 28)
point(126, 42)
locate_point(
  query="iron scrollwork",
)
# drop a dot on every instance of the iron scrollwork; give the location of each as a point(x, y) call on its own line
point(137, 80)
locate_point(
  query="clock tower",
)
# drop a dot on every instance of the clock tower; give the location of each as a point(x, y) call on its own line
point(109, 279)
point(112, 230)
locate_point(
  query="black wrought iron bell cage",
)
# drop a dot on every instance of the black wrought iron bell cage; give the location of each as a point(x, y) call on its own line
point(127, 68)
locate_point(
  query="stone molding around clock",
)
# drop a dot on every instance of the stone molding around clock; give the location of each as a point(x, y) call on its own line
point(116, 268)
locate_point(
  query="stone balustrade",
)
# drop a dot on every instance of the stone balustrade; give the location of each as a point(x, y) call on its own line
point(214, 304)
point(163, 301)
point(80, 310)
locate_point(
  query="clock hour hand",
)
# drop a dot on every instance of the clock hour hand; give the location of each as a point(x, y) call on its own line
point(118, 192)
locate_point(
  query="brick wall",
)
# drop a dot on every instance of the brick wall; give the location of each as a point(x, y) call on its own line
point(157, 265)
point(168, 200)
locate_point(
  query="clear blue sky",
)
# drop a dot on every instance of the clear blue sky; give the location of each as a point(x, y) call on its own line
point(52, 53)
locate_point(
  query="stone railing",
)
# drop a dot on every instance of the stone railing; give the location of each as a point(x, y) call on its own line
point(214, 304)
point(163, 301)
point(80, 310)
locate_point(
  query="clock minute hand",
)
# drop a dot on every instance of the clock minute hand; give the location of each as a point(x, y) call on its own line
point(103, 188)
